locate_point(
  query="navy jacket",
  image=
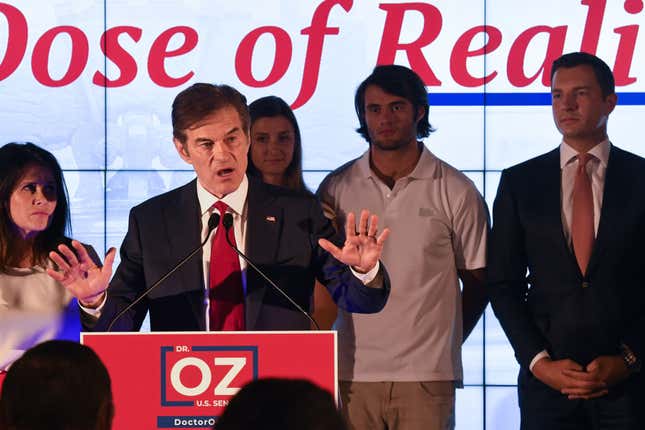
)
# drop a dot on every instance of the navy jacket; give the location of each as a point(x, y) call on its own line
point(282, 235)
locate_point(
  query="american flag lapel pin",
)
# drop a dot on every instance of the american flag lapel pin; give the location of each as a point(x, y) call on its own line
point(270, 218)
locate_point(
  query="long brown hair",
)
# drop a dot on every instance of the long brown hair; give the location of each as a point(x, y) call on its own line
point(272, 106)
point(15, 158)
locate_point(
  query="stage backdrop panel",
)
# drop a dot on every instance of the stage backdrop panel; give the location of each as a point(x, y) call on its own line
point(93, 81)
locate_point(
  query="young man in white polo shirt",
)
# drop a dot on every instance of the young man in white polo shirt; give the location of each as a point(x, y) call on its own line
point(399, 367)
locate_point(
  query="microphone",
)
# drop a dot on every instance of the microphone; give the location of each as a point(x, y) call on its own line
point(227, 221)
point(213, 221)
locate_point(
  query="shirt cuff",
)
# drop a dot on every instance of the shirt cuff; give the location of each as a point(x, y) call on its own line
point(540, 355)
point(96, 312)
point(368, 277)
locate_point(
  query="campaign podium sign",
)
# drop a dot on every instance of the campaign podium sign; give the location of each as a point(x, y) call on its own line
point(185, 380)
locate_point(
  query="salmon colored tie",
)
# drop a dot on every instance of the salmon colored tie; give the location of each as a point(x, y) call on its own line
point(226, 293)
point(582, 224)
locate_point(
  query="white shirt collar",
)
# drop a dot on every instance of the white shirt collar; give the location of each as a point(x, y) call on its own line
point(600, 151)
point(426, 166)
point(234, 200)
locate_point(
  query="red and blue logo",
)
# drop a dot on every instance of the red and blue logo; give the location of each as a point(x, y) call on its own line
point(203, 377)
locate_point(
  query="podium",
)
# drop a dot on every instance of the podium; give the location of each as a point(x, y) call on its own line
point(185, 380)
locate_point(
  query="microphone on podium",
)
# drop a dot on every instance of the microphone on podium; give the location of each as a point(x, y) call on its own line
point(227, 221)
point(213, 221)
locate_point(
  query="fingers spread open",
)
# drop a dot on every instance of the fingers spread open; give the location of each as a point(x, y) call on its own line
point(82, 254)
point(109, 256)
point(373, 228)
point(58, 276)
point(380, 240)
point(350, 225)
point(329, 247)
point(68, 254)
point(59, 260)
point(362, 223)
point(109, 261)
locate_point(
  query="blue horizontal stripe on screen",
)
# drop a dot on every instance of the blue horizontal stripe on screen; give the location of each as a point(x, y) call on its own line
point(514, 99)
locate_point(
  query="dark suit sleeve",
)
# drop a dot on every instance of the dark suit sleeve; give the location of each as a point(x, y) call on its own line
point(633, 338)
point(633, 334)
point(507, 284)
point(347, 290)
point(127, 283)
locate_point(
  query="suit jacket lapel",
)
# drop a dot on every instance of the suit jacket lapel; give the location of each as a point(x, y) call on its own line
point(182, 222)
point(264, 228)
point(612, 196)
point(552, 195)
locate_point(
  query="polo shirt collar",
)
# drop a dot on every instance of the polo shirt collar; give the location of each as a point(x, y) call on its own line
point(426, 165)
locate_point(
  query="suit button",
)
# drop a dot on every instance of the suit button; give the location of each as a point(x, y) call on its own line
point(585, 284)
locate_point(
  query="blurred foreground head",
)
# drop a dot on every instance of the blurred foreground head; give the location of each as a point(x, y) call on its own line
point(57, 385)
point(285, 404)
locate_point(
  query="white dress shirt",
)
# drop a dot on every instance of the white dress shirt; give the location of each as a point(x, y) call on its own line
point(596, 169)
point(236, 202)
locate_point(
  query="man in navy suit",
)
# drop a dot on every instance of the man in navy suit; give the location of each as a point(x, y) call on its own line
point(283, 232)
point(574, 218)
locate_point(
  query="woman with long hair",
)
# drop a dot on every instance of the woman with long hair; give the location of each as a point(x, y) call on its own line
point(276, 146)
point(275, 156)
point(34, 220)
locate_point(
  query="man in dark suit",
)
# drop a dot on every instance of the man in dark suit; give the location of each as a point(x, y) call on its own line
point(575, 219)
point(283, 232)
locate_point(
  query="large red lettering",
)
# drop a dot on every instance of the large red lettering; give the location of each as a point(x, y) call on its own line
point(159, 52)
point(626, 45)
point(114, 52)
point(593, 25)
point(461, 52)
point(517, 55)
point(625, 54)
point(316, 33)
point(281, 59)
point(390, 44)
point(79, 52)
point(16, 42)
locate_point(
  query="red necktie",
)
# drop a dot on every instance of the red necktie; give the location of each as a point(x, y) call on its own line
point(226, 294)
point(582, 224)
